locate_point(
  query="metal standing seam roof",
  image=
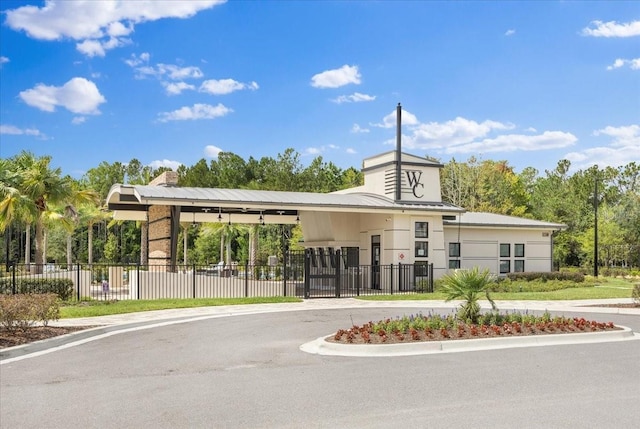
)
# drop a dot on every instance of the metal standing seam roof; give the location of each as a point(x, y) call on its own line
point(483, 219)
point(246, 197)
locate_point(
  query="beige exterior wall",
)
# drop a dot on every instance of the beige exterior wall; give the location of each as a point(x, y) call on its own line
point(481, 247)
point(420, 179)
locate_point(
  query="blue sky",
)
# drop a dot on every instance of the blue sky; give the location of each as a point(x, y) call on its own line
point(175, 81)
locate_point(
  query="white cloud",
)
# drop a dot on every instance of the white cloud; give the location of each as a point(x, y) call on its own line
point(197, 111)
point(175, 88)
point(170, 71)
point(97, 20)
point(351, 151)
point(225, 86)
point(357, 129)
point(99, 48)
point(336, 78)
point(612, 29)
point(13, 130)
point(77, 120)
point(118, 29)
point(135, 61)
point(389, 121)
point(165, 163)
point(623, 148)
point(211, 151)
point(510, 32)
point(174, 72)
point(634, 64)
point(78, 95)
point(312, 151)
point(455, 132)
point(623, 136)
point(462, 135)
point(3, 60)
point(319, 150)
point(356, 97)
point(516, 142)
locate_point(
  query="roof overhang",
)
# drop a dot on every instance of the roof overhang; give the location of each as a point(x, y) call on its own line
point(131, 202)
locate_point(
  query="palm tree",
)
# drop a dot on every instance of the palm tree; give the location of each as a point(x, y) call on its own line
point(468, 285)
point(31, 187)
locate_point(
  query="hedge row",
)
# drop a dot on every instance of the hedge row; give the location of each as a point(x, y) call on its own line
point(63, 288)
point(535, 285)
point(545, 276)
point(24, 310)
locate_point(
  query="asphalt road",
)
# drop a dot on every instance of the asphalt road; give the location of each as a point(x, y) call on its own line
point(248, 372)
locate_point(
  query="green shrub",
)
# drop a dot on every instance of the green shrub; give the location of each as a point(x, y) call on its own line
point(618, 272)
point(23, 310)
point(61, 287)
point(546, 276)
point(422, 286)
point(468, 285)
point(539, 285)
point(635, 294)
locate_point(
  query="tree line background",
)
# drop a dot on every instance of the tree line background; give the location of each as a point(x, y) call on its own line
point(74, 226)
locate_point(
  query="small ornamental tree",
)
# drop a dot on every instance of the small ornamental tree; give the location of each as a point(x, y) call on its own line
point(468, 285)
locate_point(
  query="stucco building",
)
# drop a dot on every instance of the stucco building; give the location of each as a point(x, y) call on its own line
point(396, 217)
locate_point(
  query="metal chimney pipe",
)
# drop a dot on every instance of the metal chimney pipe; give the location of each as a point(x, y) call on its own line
point(398, 152)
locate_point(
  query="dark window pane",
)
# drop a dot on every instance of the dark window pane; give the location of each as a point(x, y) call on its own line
point(422, 249)
point(505, 250)
point(454, 249)
point(422, 229)
point(518, 266)
point(505, 267)
point(518, 250)
point(454, 264)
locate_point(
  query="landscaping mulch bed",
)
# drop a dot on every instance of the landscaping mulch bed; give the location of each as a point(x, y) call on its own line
point(18, 337)
point(365, 335)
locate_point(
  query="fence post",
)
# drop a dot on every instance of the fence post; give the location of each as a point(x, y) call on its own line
point(391, 275)
point(13, 279)
point(284, 273)
point(246, 278)
point(431, 277)
point(307, 269)
point(78, 281)
point(193, 274)
point(138, 278)
point(358, 278)
point(338, 276)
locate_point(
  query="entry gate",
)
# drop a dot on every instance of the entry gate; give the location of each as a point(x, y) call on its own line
point(328, 274)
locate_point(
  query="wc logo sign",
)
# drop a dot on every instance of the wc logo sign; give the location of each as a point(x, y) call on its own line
point(414, 177)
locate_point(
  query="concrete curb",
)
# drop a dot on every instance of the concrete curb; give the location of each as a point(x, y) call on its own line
point(322, 347)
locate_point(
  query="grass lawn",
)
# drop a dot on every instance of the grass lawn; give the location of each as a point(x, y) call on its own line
point(105, 308)
point(597, 289)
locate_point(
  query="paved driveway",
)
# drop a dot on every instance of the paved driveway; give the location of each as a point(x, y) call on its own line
point(248, 372)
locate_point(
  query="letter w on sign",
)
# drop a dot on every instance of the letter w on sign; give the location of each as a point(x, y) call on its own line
point(414, 177)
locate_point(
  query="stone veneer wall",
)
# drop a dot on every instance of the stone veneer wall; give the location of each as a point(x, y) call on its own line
point(162, 234)
point(160, 237)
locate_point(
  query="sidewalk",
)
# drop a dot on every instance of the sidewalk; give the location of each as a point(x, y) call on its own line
point(582, 306)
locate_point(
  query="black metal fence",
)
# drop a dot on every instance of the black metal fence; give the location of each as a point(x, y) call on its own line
point(131, 282)
point(330, 275)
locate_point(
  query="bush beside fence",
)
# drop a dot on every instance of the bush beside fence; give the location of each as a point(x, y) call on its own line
point(63, 288)
point(21, 311)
